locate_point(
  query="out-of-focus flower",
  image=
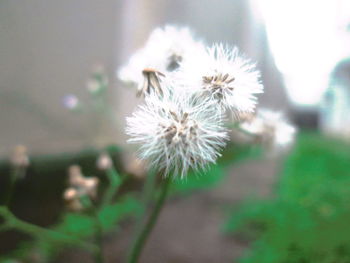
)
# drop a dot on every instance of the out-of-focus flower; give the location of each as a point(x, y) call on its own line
point(164, 52)
point(224, 76)
point(98, 80)
point(271, 129)
point(19, 157)
point(71, 102)
point(72, 199)
point(134, 166)
point(93, 86)
point(98, 69)
point(177, 133)
point(104, 162)
point(79, 186)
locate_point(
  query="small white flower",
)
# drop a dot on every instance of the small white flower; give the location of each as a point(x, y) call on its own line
point(223, 75)
point(104, 162)
point(19, 157)
point(271, 129)
point(71, 102)
point(177, 133)
point(83, 185)
point(93, 86)
point(163, 53)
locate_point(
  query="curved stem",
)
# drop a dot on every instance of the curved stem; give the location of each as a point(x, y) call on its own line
point(13, 179)
point(12, 222)
point(98, 239)
point(147, 229)
point(150, 184)
point(98, 233)
point(115, 180)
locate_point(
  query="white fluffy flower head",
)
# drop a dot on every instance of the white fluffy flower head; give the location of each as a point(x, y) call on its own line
point(271, 129)
point(223, 75)
point(163, 53)
point(177, 133)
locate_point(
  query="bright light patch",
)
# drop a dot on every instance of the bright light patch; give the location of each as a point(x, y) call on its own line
point(306, 43)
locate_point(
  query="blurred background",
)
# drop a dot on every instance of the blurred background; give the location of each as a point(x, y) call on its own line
point(48, 50)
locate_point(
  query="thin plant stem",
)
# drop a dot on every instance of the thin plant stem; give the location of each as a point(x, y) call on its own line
point(146, 199)
point(115, 180)
point(148, 227)
point(12, 222)
point(91, 210)
point(98, 238)
point(16, 173)
point(148, 190)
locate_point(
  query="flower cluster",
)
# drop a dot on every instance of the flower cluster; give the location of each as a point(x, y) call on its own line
point(163, 53)
point(270, 129)
point(79, 187)
point(189, 90)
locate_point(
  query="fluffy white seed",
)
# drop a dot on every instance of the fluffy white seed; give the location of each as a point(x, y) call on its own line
point(177, 133)
point(162, 54)
point(224, 76)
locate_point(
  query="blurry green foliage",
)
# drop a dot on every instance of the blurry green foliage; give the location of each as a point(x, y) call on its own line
point(50, 171)
point(194, 181)
point(76, 225)
point(308, 220)
point(44, 183)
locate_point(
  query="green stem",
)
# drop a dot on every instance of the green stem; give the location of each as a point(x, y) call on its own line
point(91, 211)
point(114, 182)
point(146, 198)
point(11, 188)
point(147, 229)
point(98, 238)
point(148, 190)
point(12, 222)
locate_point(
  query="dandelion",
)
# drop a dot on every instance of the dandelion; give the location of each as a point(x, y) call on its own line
point(224, 76)
point(162, 54)
point(177, 133)
point(271, 129)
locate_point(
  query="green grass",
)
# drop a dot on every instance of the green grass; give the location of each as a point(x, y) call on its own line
point(308, 220)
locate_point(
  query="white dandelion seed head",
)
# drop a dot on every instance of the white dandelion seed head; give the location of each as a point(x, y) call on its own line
point(177, 133)
point(272, 129)
point(223, 75)
point(163, 53)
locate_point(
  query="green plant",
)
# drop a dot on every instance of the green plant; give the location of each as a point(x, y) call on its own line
point(307, 220)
